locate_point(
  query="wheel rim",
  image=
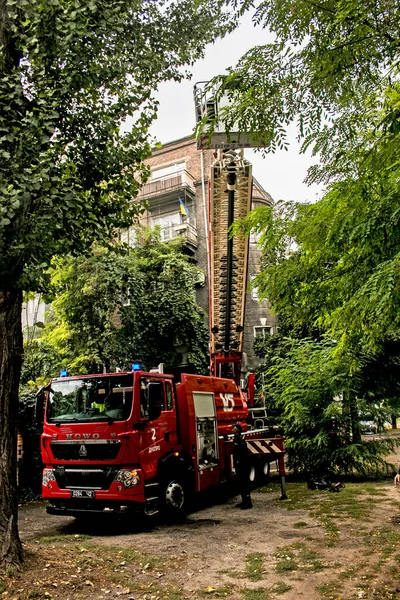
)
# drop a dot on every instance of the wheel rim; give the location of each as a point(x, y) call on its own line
point(174, 496)
point(266, 469)
point(252, 474)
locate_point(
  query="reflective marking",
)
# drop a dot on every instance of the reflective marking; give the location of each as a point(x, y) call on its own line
point(255, 446)
point(228, 402)
point(276, 448)
point(252, 450)
point(261, 446)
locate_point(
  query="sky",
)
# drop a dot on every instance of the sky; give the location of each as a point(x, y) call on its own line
point(281, 174)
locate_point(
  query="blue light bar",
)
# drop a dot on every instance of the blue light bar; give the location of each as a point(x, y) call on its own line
point(64, 373)
point(136, 366)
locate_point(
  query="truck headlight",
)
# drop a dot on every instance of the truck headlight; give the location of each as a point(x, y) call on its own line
point(128, 478)
point(47, 475)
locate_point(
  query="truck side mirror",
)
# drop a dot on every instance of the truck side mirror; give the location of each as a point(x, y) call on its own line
point(39, 407)
point(156, 399)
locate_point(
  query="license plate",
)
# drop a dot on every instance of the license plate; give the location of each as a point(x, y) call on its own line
point(82, 494)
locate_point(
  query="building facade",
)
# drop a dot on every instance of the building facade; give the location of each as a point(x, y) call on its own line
point(33, 312)
point(176, 197)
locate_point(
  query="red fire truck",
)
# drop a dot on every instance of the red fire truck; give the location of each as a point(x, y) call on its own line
point(119, 442)
point(140, 441)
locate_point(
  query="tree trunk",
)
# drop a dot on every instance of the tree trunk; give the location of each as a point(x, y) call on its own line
point(10, 370)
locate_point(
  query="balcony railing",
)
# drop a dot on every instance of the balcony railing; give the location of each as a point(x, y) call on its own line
point(184, 230)
point(168, 183)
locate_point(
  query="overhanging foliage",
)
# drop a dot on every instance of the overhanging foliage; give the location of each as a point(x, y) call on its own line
point(120, 306)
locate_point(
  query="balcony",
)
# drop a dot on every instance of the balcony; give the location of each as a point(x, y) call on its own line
point(167, 184)
point(183, 230)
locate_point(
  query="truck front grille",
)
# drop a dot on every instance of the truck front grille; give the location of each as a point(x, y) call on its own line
point(94, 479)
point(86, 450)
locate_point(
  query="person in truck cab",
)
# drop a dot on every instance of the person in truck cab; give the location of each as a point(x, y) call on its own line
point(242, 466)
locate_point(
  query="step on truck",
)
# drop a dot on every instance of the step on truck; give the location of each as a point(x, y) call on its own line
point(138, 441)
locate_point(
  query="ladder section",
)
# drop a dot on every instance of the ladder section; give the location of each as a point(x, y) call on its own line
point(230, 200)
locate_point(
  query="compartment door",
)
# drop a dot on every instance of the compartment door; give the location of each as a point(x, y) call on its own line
point(206, 439)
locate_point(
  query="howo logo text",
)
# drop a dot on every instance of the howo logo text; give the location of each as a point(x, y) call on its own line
point(83, 436)
point(228, 402)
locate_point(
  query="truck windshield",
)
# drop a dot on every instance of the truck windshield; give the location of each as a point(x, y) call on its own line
point(91, 399)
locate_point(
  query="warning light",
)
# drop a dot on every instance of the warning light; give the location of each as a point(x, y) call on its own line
point(64, 373)
point(136, 366)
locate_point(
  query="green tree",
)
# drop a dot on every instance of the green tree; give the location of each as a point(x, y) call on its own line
point(331, 268)
point(112, 308)
point(116, 307)
point(333, 70)
point(312, 387)
point(72, 71)
point(326, 59)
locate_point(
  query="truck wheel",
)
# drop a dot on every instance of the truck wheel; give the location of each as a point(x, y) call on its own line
point(264, 471)
point(253, 473)
point(173, 497)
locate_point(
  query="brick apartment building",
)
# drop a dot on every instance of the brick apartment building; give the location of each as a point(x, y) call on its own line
point(179, 174)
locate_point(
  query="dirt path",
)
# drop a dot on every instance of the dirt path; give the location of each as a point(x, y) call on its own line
point(212, 552)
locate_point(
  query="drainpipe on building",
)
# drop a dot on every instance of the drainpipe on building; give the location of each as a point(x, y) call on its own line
point(203, 189)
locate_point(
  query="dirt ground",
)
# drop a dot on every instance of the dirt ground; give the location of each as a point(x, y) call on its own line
point(315, 545)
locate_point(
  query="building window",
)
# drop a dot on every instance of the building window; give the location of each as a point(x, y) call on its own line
point(167, 171)
point(254, 290)
point(167, 224)
point(262, 331)
point(128, 237)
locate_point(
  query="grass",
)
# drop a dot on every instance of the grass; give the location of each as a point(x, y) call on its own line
point(297, 557)
point(148, 561)
point(211, 592)
point(308, 559)
point(348, 573)
point(173, 595)
point(235, 574)
point(281, 588)
point(354, 502)
point(332, 532)
point(285, 561)
point(256, 594)
point(266, 593)
point(254, 566)
point(331, 591)
point(63, 538)
point(64, 567)
point(383, 541)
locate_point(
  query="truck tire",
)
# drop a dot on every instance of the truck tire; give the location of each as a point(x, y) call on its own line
point(173, 496)
point(264, 468)
point(253, 473)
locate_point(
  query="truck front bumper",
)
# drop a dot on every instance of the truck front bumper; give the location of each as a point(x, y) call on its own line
point(69, 495)
point(70, 509)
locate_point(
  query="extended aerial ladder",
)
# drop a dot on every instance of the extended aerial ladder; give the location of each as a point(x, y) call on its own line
point(230, 193)
point(229, 200)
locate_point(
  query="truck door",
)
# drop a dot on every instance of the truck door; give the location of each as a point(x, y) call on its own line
point(206, 439)
point(157, 410)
